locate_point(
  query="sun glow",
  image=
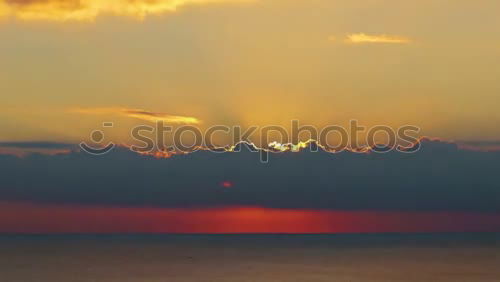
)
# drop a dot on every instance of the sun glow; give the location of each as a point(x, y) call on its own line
point(38, 218)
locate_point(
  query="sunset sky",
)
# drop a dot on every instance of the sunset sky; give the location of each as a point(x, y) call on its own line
point(67, 66)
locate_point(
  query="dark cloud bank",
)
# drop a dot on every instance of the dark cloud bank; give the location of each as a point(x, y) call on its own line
point(438, 177)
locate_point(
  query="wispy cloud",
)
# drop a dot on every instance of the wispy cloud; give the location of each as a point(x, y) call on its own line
point(490, 145)
point(154, 117)
point(36, 145)
point(25, 148)
point(362, 38)
point(88, 10)
point(139, 114)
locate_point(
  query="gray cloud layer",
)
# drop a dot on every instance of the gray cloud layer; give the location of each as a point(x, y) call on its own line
point(438, 177)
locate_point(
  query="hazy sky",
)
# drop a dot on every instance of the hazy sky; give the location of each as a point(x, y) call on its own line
point(67, 66)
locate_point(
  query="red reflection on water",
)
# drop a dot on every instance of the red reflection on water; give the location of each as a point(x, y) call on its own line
point(33, 218)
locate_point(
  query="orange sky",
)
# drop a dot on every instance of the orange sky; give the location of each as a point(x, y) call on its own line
point(255, 62)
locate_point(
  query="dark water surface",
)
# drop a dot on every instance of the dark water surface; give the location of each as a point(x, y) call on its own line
point(219, 258)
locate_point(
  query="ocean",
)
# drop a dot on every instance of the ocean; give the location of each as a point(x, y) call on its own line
point(232, 258)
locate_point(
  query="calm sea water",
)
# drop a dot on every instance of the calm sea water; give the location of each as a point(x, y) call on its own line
point(231, 258)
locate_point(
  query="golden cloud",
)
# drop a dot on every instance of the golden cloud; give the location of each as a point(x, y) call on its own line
point(3, 9)
point(362, 38)
point(88, 10)
point(139, 114)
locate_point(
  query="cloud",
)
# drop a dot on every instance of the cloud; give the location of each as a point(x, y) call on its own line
point(37, 145)
point(362, 38)
point(490, 145)
point(25, 148)
point(88, 10)
point(439, 177)
point(4, 9)
point(139, 114)
point(155, 117)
